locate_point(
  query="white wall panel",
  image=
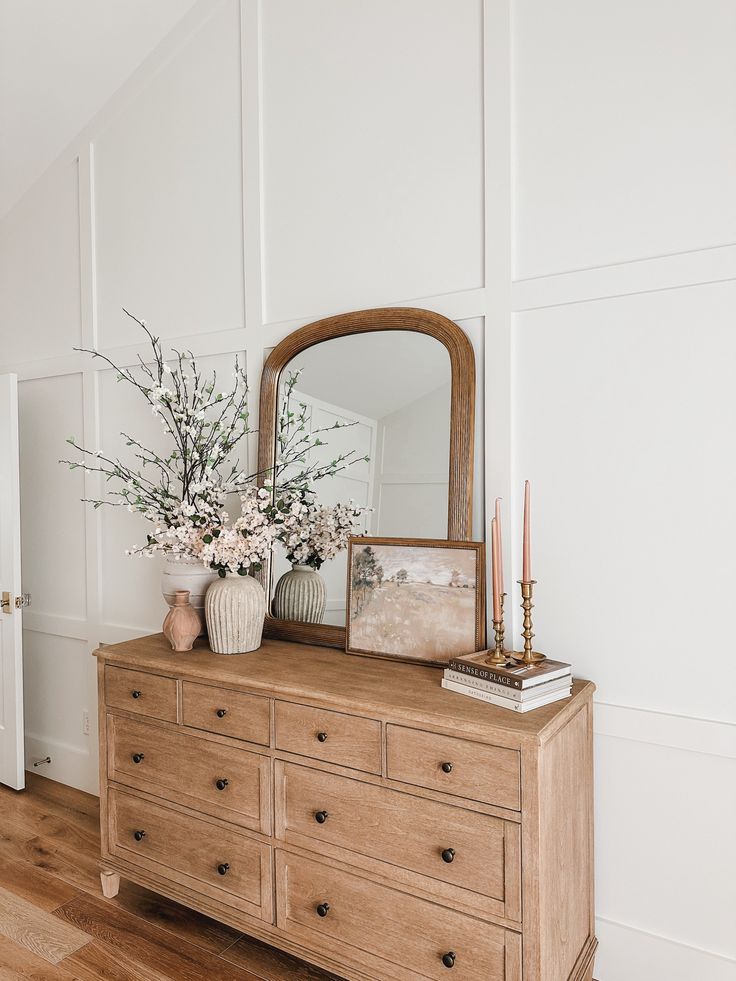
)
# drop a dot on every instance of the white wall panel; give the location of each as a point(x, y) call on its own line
point(372, 152)
point(619, 423)
point(168, 194)
point(664, 846)
point(54, 668)
point(40, 306)
point(624, 129)
point(52, 514)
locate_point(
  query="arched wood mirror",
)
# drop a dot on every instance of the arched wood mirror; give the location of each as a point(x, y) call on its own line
point(395, 386)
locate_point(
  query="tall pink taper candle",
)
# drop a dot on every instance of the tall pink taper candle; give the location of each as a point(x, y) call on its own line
point(527, 563)
point(494, 570)
point(499, 527)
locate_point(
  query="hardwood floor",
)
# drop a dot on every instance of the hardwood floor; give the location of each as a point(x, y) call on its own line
point(56, 926)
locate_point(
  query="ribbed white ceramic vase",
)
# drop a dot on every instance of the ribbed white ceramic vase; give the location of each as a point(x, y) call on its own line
point(300, 595)
point(235, 608)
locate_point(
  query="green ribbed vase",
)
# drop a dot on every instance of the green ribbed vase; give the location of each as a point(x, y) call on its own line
point(300, 595)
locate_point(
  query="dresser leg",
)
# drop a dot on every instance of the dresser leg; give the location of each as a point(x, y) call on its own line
point(110, 884)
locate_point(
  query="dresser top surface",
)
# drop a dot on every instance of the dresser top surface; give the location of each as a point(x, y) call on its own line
point(366, 686)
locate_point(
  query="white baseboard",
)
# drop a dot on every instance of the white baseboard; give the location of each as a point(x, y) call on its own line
point(628, 954)
point(69, 764)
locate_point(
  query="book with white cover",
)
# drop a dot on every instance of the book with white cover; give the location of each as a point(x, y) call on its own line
point(523, 695)
point(502, 700)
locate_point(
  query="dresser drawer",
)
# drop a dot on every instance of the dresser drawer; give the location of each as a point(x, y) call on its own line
point(187, 769)
point(229, 713)
point(488, 774)
point(447, 843)
point(142, 693)
point(218, 862)
point(397, 931)
point(334, 737)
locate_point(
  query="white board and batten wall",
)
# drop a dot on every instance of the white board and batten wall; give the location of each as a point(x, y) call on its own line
point(624, 344)
point(548, 177)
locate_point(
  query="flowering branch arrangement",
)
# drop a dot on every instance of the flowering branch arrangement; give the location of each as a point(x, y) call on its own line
point(185, 490)
point(183, 494)
point(310, 532)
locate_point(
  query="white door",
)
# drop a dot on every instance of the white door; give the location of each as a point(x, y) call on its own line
point(11, 651)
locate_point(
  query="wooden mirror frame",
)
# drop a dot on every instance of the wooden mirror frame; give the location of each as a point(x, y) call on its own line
point(462, 427)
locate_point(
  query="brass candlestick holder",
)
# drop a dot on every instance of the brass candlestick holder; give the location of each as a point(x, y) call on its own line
point(529, 656)
point(498, 657)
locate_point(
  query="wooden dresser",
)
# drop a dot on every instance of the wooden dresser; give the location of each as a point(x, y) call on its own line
point(350, 811)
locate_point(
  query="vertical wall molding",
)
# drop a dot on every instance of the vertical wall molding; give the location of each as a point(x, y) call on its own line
point(91, 426)
point(499, 473)
point(252, 169)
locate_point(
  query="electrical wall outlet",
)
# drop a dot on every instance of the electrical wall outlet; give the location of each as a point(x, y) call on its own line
point(85, 723)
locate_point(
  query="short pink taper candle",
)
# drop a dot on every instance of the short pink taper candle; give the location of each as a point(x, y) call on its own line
point(494, 571)
point(499, 529)
point(527, 563)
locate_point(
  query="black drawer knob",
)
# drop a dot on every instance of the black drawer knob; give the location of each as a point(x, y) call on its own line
point(136, 694)
point(221, 783)
point(223, 868)
point(139, 835)
point(323, 909)
point(221, 713)
point(322, 736)
point(138, 757)
point(448, 959)
point(320, 817)
point(448, 855)
point(447, 767)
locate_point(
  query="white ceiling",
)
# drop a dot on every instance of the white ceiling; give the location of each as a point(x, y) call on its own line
point(60, 61)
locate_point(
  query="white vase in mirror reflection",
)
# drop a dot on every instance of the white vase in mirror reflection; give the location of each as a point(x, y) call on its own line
point(235, 608)
point(300, 595)
point(187, 573)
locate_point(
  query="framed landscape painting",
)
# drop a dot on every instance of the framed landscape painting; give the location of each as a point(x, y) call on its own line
point(415, 599)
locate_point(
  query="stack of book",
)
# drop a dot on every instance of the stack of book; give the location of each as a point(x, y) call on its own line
point(513, 686)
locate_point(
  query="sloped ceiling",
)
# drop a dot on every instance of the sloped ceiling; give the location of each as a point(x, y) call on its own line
point(60, 61)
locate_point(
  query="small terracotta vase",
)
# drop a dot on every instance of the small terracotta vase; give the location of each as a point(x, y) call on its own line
point(182, 625)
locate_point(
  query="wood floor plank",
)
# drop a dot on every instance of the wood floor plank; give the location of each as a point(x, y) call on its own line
point(41, 888)
point(61, 796)
point(165, 956)
point(175, 918)
point(79, 869)
point(41, 816)
point(97, 963)
point(271, 964)
point(19, 964)
point(48, 936)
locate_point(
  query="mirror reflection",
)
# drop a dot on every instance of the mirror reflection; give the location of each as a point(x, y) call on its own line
point(373, 413)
